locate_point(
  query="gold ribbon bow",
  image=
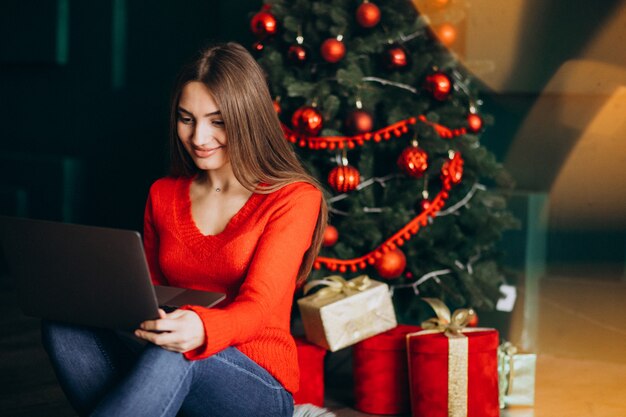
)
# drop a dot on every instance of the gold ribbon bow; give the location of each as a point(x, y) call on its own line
point(452, 325)
point(335, 285)
point(444, 322)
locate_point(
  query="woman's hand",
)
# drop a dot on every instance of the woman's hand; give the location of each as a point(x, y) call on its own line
point(178, 331)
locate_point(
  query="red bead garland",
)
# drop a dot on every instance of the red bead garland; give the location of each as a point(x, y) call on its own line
point(340, 142)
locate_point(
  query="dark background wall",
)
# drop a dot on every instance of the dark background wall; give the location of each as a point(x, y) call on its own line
point(84, 90)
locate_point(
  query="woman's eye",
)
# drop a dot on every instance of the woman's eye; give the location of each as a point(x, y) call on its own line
point(185, 120)
point(219, 123)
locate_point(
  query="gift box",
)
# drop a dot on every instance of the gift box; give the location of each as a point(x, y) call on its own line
point(516, 376)
point(346, 312)
point(311, 362)
point(453, 370)
point(381, 379)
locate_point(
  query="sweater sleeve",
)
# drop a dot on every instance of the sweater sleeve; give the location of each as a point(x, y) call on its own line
point(151, 240)
point(272, 272)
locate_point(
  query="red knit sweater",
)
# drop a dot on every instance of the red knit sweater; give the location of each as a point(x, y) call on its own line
point(254, 260)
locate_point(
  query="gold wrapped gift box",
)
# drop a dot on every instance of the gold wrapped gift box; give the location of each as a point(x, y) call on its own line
point(346, 312)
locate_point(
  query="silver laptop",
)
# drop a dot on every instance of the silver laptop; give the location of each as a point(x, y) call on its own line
point(87, 275)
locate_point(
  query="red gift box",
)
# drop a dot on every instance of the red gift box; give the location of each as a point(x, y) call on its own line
point(311, 362)
point(453, 371)
point(381, 383)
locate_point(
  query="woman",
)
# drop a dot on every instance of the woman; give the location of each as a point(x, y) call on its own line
point(237, 215)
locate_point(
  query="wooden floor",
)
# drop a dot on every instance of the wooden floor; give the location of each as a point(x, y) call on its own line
point(580, 340)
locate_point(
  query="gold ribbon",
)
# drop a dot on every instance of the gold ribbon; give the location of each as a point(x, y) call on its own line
point(335, 285)
point(508, 352)
point(458, 353)
point(452, 325)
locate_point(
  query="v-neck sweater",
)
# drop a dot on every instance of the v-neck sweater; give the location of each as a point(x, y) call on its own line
point(254, 260)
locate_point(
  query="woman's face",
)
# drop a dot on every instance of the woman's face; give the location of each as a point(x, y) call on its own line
point(201, 128)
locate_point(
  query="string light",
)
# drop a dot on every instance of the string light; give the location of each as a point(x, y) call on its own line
point(431, 275)
point(392, 83)
point(411, 36)
point(463, 202)
point(436, 274)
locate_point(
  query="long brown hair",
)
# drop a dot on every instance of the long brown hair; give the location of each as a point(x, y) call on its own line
point(257, 149)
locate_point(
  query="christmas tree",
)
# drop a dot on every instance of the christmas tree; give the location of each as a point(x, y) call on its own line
point(389, 121)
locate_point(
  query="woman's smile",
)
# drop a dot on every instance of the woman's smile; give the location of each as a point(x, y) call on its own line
point(203, 152)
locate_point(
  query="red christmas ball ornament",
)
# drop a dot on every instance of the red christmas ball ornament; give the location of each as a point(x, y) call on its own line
point(344, 178)
point(331, 235)
point(297, 54)
point(258, 46)
point(439, 85)
point(446, 33)
point(277, 108)
point(454, 172)
point(391, 264)
point(474, 123)
point(307, 120)
point(413, 161)
point(395, 57)
point(359, 121)
point(473, 318)
point(333, 50)
point(368, 15)
point(263, 24)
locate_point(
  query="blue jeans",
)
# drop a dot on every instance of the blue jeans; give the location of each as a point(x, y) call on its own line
point(103, 375)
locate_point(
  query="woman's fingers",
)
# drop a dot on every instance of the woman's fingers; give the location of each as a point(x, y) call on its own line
point(178, 331)
point(159, 339)
point(169, 340)
point(160, 325)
